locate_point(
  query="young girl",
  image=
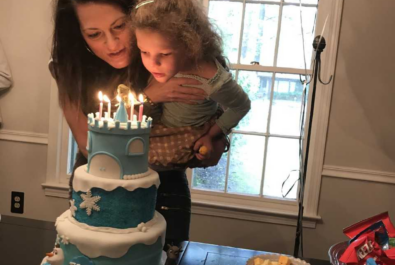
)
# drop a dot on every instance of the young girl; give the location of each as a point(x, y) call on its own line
point(176, 39)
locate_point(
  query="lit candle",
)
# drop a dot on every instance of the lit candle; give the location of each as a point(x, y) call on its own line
point(131, 99)
point(101, 105)
point(141, 99)
point(106, 99)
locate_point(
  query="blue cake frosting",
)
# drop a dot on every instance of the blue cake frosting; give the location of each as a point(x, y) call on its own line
point(114, 140)
point(119, 208)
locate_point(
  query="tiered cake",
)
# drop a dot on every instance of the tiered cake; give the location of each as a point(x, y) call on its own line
point(112, 218)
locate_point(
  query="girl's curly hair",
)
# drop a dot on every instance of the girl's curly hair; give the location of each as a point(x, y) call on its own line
point(185, 22)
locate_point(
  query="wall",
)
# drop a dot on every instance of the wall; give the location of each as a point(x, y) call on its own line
point(359, 136)
point(25, 31)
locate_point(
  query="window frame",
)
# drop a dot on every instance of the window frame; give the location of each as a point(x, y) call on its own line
point(282, 210)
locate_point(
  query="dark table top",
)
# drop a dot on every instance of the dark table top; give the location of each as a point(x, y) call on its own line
point(205, 254)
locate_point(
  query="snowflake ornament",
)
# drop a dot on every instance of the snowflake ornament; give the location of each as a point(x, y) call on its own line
point(90, 202)
point(73, 208)
point(65, 240)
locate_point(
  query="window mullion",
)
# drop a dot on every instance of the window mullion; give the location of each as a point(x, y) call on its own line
point(280, 18)
point(228, 163)
point(241, 31)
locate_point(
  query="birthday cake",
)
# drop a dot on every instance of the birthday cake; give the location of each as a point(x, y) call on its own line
point(112, 217)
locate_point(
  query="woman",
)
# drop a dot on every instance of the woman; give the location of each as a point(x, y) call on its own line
point(91, 48)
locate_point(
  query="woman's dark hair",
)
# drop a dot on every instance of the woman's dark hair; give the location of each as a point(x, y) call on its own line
point(79, 72)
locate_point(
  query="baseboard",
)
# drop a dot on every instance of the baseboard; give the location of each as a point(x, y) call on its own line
point(26, 222)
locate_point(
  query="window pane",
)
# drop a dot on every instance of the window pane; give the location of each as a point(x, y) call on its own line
point(314, 2)
point(258, 86)
point(290, 52)
point(227, 16)
point(211, 178)
point(286, 106)
point(246, 161)
point(259, 34)
point(282, 158)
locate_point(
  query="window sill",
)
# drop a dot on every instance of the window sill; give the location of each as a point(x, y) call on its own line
point(250, 213)
point(56, 190)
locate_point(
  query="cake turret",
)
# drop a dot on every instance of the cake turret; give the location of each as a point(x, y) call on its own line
point(118, 149)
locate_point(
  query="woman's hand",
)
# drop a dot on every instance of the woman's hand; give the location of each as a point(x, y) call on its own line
point(205, 143)
point(218, 147)
point(174, 91)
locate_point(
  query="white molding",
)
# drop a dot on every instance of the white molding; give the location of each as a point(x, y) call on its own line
point(24, 137)
point(56, 190)
point(359, 174)
point(57, 141)
point(323, 102)
point(249, 214)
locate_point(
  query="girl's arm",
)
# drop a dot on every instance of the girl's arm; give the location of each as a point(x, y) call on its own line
point(78, 124)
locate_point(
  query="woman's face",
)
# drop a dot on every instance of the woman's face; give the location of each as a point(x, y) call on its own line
point(106, 31)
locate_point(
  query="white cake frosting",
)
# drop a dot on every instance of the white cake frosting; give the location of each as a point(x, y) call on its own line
point(83, 181)
point(93, 243)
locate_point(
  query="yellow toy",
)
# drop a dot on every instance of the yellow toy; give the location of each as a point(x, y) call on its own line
point(203, 151)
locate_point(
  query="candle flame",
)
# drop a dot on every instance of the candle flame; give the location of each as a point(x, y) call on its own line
point(100, 96)
point(131, 97)
point(141, 98)
point(106, 99)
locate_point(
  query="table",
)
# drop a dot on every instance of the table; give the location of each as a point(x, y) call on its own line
point(205, 254)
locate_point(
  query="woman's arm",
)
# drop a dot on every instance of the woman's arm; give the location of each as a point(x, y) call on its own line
point(174, 91)
point(78, 124)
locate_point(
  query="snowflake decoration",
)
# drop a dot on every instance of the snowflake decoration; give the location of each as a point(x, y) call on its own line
point(73, 208)
point(90, 202)
point(65, 240)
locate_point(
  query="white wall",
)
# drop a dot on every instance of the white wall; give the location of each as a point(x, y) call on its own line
point(25, 31)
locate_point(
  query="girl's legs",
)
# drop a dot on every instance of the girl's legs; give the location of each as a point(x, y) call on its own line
point(174, 203)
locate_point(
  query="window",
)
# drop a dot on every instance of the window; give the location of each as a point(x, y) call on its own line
point(264, 44)
point(135, 146)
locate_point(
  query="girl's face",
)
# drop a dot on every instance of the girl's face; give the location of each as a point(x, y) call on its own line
point(105, 29)
point(160, 55)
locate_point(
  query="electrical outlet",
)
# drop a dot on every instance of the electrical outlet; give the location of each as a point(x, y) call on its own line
point(17, 201)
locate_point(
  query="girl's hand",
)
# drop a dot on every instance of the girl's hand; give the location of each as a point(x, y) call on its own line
point(174, 91)
point(207, 142)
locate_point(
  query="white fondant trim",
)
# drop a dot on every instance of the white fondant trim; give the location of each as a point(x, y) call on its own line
point(110, 230)
point(138, 176)
point(83, 181)
point(95, 244)
point(111, 123)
